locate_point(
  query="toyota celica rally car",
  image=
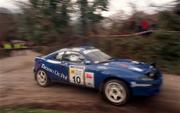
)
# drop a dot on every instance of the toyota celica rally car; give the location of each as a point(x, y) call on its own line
point(116, 79)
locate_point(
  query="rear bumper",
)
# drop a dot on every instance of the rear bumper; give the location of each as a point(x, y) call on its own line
point(141, 88)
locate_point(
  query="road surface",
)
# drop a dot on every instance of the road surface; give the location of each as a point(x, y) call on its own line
point(18, 88)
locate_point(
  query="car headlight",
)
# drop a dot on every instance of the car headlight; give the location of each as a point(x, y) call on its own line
point(145, 78)
point(151, 75)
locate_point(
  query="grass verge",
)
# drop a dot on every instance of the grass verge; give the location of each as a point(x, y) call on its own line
point(29, 110)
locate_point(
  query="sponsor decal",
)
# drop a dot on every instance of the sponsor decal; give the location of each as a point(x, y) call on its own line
point(76, 74)
point(61, 75)
point(89, 79)
point(89, 75)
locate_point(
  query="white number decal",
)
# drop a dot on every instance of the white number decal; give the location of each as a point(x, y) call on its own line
point(76, 74)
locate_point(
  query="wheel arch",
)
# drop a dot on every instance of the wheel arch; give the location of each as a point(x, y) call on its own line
point(35, 74)
point(49, 81)
point(114, 78)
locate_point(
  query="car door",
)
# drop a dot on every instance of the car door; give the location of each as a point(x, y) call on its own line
point(56, 68)
point(78, 72)
point(74, 63)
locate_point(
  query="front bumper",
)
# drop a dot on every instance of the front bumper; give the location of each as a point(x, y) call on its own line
point(146, 88)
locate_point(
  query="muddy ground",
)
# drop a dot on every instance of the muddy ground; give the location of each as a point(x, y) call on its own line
point(18, 88)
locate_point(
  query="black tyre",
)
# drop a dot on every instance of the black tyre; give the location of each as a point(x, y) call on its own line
point(116, 92)
point(42, 78)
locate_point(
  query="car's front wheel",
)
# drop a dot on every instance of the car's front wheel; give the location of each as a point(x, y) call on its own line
point(42, 78)
point(116, 92)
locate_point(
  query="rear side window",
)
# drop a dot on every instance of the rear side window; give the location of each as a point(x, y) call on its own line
point(72, 57)
point(54, 56)
point(59, 56)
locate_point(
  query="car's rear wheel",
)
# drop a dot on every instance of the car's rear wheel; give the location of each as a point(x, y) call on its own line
point(116, 92)
point(42, 78)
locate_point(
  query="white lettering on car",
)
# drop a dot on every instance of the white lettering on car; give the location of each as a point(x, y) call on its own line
point(61, 75)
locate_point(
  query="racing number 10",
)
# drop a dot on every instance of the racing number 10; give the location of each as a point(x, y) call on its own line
point(77, 79)
point(76, 74)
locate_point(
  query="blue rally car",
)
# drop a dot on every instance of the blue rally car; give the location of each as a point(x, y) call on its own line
point(116, 79)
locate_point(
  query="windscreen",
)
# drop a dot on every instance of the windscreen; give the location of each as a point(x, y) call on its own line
point(96, 55)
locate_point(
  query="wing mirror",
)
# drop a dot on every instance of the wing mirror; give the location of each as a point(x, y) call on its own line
point(154, 64)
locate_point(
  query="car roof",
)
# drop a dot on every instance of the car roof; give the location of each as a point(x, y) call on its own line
point(78, 49)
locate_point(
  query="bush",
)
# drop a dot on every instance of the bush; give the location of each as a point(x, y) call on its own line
point(169, 46)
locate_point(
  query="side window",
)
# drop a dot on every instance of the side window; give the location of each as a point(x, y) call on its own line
point(73, 57)
point(59, 56)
